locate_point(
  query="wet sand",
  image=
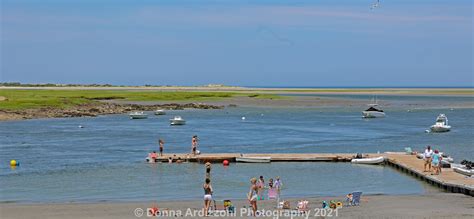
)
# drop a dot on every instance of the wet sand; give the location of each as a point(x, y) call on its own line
point(436, 205)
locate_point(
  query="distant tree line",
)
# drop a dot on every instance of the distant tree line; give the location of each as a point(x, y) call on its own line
point(18, 84)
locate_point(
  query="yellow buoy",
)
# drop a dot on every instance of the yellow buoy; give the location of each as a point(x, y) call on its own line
point(13, 163)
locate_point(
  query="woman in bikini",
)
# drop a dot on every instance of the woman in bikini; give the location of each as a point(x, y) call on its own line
point(252, 195)
point(207, 195)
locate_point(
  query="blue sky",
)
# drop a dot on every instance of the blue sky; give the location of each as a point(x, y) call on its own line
point(269, 43)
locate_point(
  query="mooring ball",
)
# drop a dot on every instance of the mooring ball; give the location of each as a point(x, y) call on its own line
point(225, 163)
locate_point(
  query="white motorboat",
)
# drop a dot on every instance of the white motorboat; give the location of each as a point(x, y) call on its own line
point(253, 159)
point(463, 170)
point(372, 111)
point(177, 120)
point(138, 115)
point(441, 124)
point(160, 112)
point(372, 160)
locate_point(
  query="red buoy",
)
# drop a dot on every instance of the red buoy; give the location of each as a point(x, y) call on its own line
point(225, 163)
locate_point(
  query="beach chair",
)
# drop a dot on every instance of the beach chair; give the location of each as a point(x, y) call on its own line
point(272, 193)
point(356, 198)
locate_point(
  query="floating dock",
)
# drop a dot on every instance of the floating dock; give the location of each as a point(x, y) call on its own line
point(448, 180)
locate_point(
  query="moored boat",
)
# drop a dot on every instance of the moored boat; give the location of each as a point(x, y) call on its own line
point(177, 120)
point(372, 111)
point(253, 159)
point(138, 115)
point(371, 160)
point(160, 112)
point(464, 171)
point(441, 124)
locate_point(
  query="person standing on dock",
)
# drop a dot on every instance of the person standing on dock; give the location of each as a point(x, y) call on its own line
point(194, 143)
point(161, 143)
point(436, 160)
point(427, 157)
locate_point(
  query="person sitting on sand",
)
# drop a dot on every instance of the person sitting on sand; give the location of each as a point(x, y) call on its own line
point(161, 143)
point(349, 198)
point(436, 161)
point(252, 195)
point(427, 157)
point(207, 195)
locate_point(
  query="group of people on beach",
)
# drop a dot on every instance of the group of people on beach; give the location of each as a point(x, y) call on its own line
point(255, 193)
point(194, 144)
point(432, 160)
point(257, 188)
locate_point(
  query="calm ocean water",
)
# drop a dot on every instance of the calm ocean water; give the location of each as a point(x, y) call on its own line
point(104, 160)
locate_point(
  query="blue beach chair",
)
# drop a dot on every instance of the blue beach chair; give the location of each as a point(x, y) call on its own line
point(356, 198)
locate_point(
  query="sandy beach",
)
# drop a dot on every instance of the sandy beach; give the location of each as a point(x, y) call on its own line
point(434, 205)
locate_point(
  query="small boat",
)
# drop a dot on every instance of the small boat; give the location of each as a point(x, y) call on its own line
point(372, 160)
point(372, 111)
point(446, 157)
point(463, 171)
point(151, 160)
point(253, 159)
point(177, 120)
point(441, 124)
point(160, 112)
point(138, 115)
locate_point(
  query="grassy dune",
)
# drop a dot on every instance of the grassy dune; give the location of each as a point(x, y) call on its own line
point(30, 99)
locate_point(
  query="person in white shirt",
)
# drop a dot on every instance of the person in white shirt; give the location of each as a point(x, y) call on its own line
point(427, 157)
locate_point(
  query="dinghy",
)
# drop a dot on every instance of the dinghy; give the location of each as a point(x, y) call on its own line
point(138, 115)
point(372, 160)
point(253, 159)
point(463, 171)
point(160, 112)
point(177, 120)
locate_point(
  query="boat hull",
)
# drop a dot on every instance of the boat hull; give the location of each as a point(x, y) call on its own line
point(440, 128)
point(464, 171)
point(253, 159)
point(373, 114)
point(374, 160)
point(159, 113)
point(177, 122)
point(138, 116)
